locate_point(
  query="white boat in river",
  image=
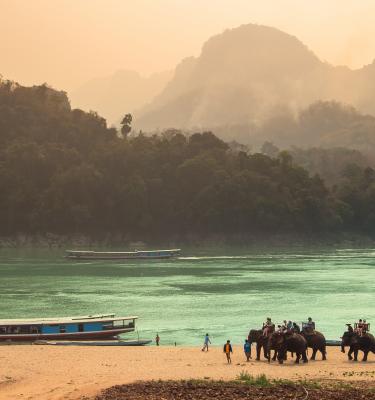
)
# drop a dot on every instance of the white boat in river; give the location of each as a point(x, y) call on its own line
point(91, 327)
point(122, 255)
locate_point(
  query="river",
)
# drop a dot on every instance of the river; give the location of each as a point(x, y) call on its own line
point(223, 291)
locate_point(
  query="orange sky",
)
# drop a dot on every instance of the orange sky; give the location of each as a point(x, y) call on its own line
point(67, 42)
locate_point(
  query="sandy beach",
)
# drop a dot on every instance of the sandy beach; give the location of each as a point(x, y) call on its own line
point(54, 373)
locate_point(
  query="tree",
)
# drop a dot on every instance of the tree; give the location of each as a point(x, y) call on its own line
point(126, 125)
point(269, 149)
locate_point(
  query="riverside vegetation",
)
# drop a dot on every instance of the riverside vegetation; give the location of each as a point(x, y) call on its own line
point(64, 171)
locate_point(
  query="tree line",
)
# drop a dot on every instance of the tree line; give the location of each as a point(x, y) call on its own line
point(64, 171)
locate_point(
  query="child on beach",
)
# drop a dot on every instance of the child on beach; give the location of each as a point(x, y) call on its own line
point(206, 341)
point(247, 350)
point(227, 350)
point(157, 339)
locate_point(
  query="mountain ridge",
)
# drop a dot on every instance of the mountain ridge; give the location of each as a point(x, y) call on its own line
point(264, 70)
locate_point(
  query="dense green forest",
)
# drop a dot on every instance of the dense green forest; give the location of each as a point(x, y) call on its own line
point(64, 171)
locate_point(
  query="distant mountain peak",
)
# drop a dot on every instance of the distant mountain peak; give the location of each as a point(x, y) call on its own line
point(245, 74)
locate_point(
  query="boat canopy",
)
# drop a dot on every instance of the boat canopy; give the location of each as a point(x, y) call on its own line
point(64, 320)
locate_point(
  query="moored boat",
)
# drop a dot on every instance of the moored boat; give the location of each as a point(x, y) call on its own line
point(96, 327)
point(122, 255)
point(139, 342)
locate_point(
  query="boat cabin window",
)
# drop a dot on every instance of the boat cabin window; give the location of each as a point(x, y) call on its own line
point(107, 325)
point(81, 328)
point(62, 329)
point(124, 324)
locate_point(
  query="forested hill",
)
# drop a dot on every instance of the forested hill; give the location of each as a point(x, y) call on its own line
point(63, 171)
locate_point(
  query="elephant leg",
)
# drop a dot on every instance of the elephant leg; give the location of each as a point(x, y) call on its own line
point(265, 352)
point(324, 353)
point(350, 352)
point(274, 355)
point(258, 351)
point(355, 355)
point(298, 356)
point(365, 354)
point(304, 357)
point(313, 354)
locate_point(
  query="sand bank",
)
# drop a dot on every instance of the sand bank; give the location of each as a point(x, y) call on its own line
point(47, 372)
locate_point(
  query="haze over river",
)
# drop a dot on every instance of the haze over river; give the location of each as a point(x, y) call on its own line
point(223, 291)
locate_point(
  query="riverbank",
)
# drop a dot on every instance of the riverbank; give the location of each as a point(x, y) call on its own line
point(196, 241)
point(55, 373)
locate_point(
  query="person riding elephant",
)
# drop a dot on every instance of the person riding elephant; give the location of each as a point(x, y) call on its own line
point(309, 326)
point(293, 342)
point(257, 336)
point(316, 341)
point(296, 328)
point(357, 342)
point(268, 327)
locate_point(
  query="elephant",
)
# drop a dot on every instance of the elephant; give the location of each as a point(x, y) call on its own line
point(293, 342)
point(316, 341)
point(356, 342)
point(256, 336)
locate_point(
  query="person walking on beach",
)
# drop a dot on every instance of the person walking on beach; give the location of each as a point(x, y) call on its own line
point(227, 350)
point(157, 339)
point(247, 350)
point(206, 341)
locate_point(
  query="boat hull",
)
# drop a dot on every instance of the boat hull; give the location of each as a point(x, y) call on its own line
point(72, 257)
point(122, 255)
point(100, 335)
point(140, 342)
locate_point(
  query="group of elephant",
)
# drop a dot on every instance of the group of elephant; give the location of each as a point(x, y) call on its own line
point(298, 343)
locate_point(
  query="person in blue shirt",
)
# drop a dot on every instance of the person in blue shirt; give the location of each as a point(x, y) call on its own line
point(247, 350)
point(206, 341)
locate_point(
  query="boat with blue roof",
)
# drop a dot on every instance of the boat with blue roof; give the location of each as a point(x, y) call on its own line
point(91, 327)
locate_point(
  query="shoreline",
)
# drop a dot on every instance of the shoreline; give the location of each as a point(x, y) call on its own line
point(55, 373)
point(198, 241)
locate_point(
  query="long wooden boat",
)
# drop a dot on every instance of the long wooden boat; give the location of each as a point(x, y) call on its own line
point(139, 342)
point(122, 255)
point(95, 327)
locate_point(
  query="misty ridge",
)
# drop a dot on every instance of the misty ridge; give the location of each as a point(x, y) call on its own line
point(250, 84)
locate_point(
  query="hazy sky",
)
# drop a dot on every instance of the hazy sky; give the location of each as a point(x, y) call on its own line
point(67, 42)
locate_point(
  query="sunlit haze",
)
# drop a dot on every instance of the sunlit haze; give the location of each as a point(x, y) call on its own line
point(67, 42)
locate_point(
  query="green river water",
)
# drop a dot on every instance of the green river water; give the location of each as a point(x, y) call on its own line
point(223, 292)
